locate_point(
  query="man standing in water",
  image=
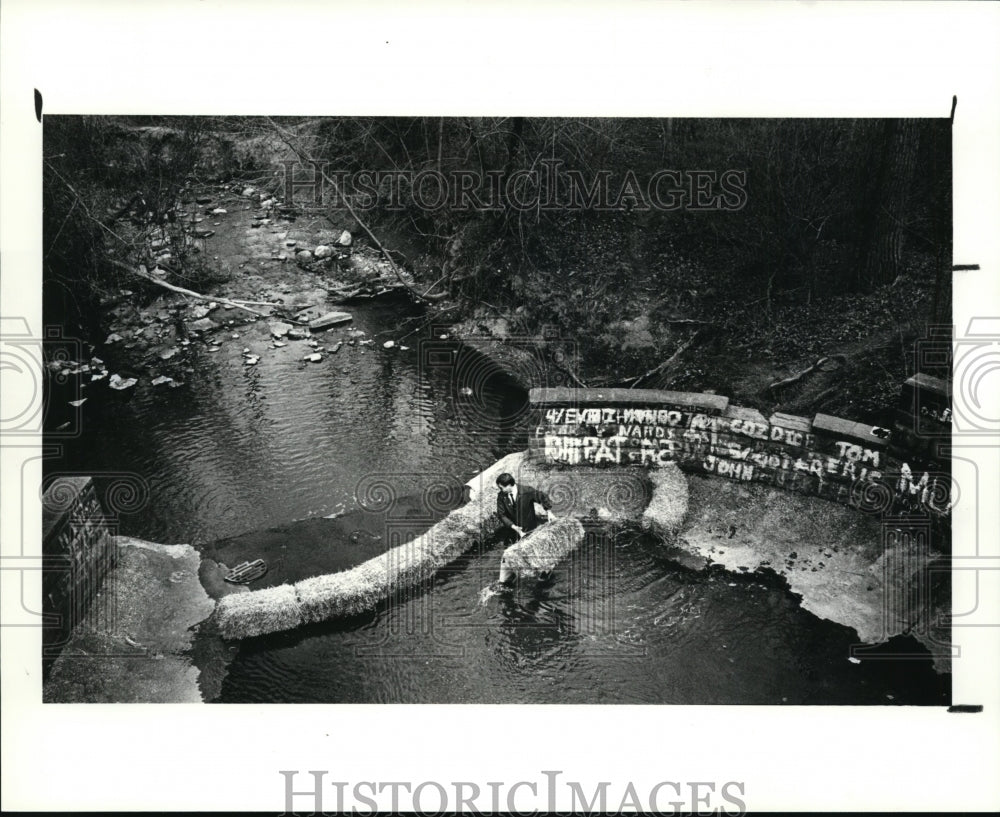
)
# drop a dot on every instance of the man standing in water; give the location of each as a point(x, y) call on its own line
point(516, 507)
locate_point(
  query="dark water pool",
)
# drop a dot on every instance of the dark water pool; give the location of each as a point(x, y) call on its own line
point(617, 624)
point(232, 459)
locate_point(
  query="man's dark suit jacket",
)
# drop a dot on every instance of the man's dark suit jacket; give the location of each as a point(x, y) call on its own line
point(522, 511)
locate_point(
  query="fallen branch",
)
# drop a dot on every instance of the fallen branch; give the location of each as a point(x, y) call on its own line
point(686, 322)
point(789, 381)
point(681, 350)
point(365, 290)
point(190, 293)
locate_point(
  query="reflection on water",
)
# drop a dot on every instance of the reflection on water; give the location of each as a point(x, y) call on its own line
point(242, 448)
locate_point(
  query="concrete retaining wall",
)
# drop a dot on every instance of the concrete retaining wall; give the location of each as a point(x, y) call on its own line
point(78, 550)
point(871, 468)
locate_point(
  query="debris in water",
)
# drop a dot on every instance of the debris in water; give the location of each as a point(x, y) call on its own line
point(203, 325)
point(219, 211)
point(118, 384)
point(77, 403)
point(330, 319)
point(114, 337)
point(214, 348)
point(854, 660)
point(251, 360)
point(389, 344)
point(491, 590)
point(161, 380)
point(277, 344)
point(313, 358)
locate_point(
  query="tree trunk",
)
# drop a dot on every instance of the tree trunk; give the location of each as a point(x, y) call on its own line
point(893, 158)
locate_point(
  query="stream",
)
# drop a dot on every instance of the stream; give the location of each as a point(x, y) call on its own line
point(316, 466)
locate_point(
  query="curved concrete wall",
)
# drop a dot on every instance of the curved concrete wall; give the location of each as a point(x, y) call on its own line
point(871, 468)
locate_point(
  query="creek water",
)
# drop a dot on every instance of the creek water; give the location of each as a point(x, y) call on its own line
point(246, 461)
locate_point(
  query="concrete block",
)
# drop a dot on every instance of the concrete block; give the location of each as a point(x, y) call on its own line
point(791, 430)
point(653, 398)
point(923, 393)
point(855, 442)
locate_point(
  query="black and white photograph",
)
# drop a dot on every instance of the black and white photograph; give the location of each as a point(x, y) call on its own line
point(319, 374)
point(359, 363)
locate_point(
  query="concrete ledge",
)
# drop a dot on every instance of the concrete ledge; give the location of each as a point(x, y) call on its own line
point(847, 567)
point(134, 644)
point(692, 401)
point(850, 431)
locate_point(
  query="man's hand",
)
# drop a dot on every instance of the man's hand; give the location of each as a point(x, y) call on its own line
point(519, 529)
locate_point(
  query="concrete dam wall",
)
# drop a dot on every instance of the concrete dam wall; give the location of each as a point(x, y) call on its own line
point(871, 468)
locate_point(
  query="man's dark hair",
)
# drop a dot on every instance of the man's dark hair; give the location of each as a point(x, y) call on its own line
point(504, 480)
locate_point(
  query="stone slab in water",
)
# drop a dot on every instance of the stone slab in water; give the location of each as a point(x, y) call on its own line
point(330, 319)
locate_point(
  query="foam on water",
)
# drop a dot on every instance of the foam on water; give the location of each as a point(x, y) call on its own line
point(497, 588)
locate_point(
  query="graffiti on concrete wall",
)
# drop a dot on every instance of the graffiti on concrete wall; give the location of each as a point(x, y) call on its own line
point(834, 459)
